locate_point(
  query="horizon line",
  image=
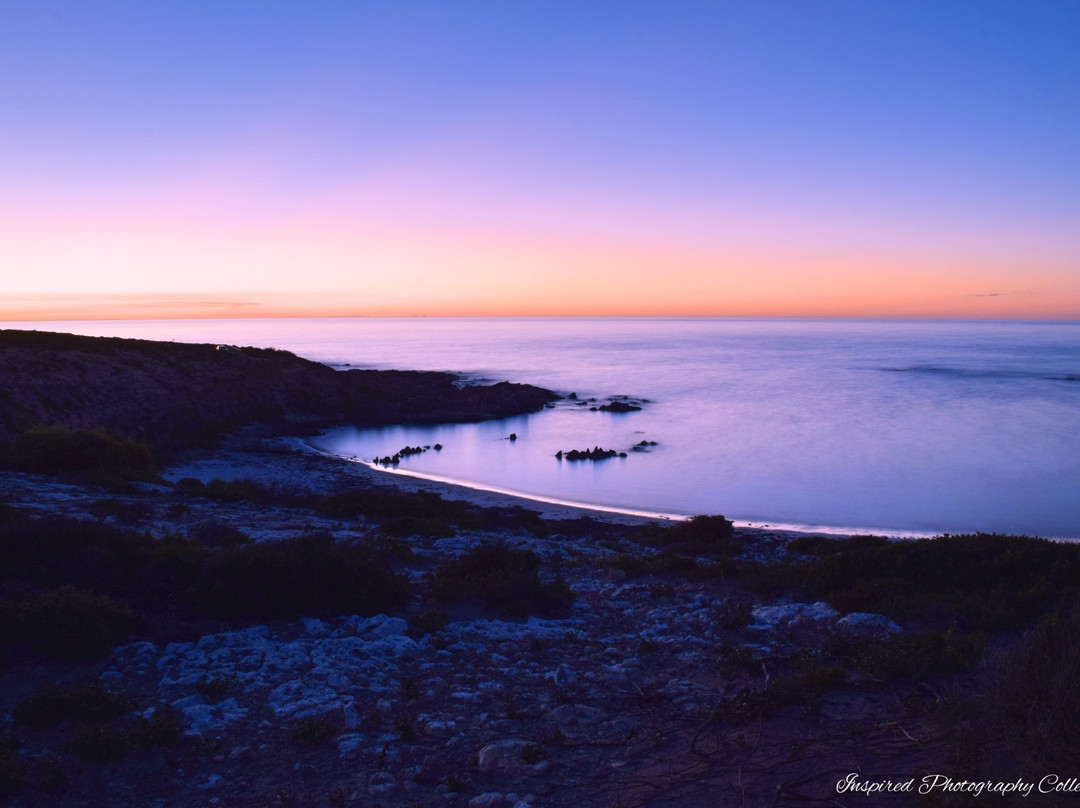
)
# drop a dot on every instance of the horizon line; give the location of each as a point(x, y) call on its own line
point(596, 316)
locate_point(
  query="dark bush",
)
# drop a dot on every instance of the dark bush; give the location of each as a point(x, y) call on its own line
point(733, 615)
point(915, 657)
point(664, 563)
point(717, 568)
point(515, 518)
point(165, 572)
point(402, 526)
point(215, 689)
point(164, 727)
point(313, 731)
point(123, 512)
point(384, 503)
point(823, 545)
point(48, 774)
point(99, 744)
point(12, 770)
point(311, 575)
point(72, 589)
point(81, 553)
point(503, 578)
point(242, 490)
point(1036, 695)
point(429, 621)
point(9, 513)
point(978, 582)
point(215, 533)
point(190, 485)
point(85, 703)
point(703, 535)
point(71, 625)
point(51, 450)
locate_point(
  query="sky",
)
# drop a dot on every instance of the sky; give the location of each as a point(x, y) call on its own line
point(226, 158)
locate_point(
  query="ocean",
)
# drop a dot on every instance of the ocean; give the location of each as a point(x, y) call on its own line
point(901, 427)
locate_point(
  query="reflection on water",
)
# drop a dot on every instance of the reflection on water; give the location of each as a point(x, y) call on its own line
point(925, 426)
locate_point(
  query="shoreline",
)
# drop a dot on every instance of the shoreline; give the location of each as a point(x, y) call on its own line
point(475, 493)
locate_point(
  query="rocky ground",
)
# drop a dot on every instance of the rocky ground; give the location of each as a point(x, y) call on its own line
point(654, 690)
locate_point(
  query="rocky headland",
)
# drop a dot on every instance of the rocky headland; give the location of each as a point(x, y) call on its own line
point(176, 395)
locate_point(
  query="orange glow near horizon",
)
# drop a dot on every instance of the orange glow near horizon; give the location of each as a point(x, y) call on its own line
point(173, 264)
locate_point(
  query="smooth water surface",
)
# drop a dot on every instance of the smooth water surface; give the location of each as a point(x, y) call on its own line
point(889, 425)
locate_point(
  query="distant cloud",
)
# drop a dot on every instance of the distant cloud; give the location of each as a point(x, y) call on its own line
point(68, 307)
point(193, 304)
point(1024, 293)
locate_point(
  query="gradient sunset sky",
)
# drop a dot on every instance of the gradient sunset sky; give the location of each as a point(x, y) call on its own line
point(227, 158)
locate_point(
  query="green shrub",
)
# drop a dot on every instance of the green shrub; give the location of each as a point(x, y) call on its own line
point(85, 703)
point(9, 513)
point(48, 774)
point(914, 657)
point(1036, 694)
point(215, 533)
point(71, 625)
point(82, 553)
point(12, 770)
point(514, 518)
point(717, 568)
point(98, 744)
point(164, 727)
point(123, 512)
point(241, 490)
point(978, 582)
point(502, 578)
point(823, 545)
point(702, 535)
point(664, 563)
point(56, 449)
point(385, 503)
point(402, 526)
point(733, 615)
point(72, 588)
point(310, 575)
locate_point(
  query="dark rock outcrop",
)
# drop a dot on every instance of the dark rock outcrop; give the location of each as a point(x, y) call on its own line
point(177, 395)
point(595, 453)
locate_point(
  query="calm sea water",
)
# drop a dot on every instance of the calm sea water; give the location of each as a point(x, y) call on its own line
point(902, 426)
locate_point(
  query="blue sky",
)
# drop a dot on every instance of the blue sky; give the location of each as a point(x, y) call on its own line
point(486, 152)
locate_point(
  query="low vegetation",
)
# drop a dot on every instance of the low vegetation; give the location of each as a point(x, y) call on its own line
point(63, 450)
point(73, 589)
point(503, 579)
point(701, 535)
point(977, 582)
point(1036, 700)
